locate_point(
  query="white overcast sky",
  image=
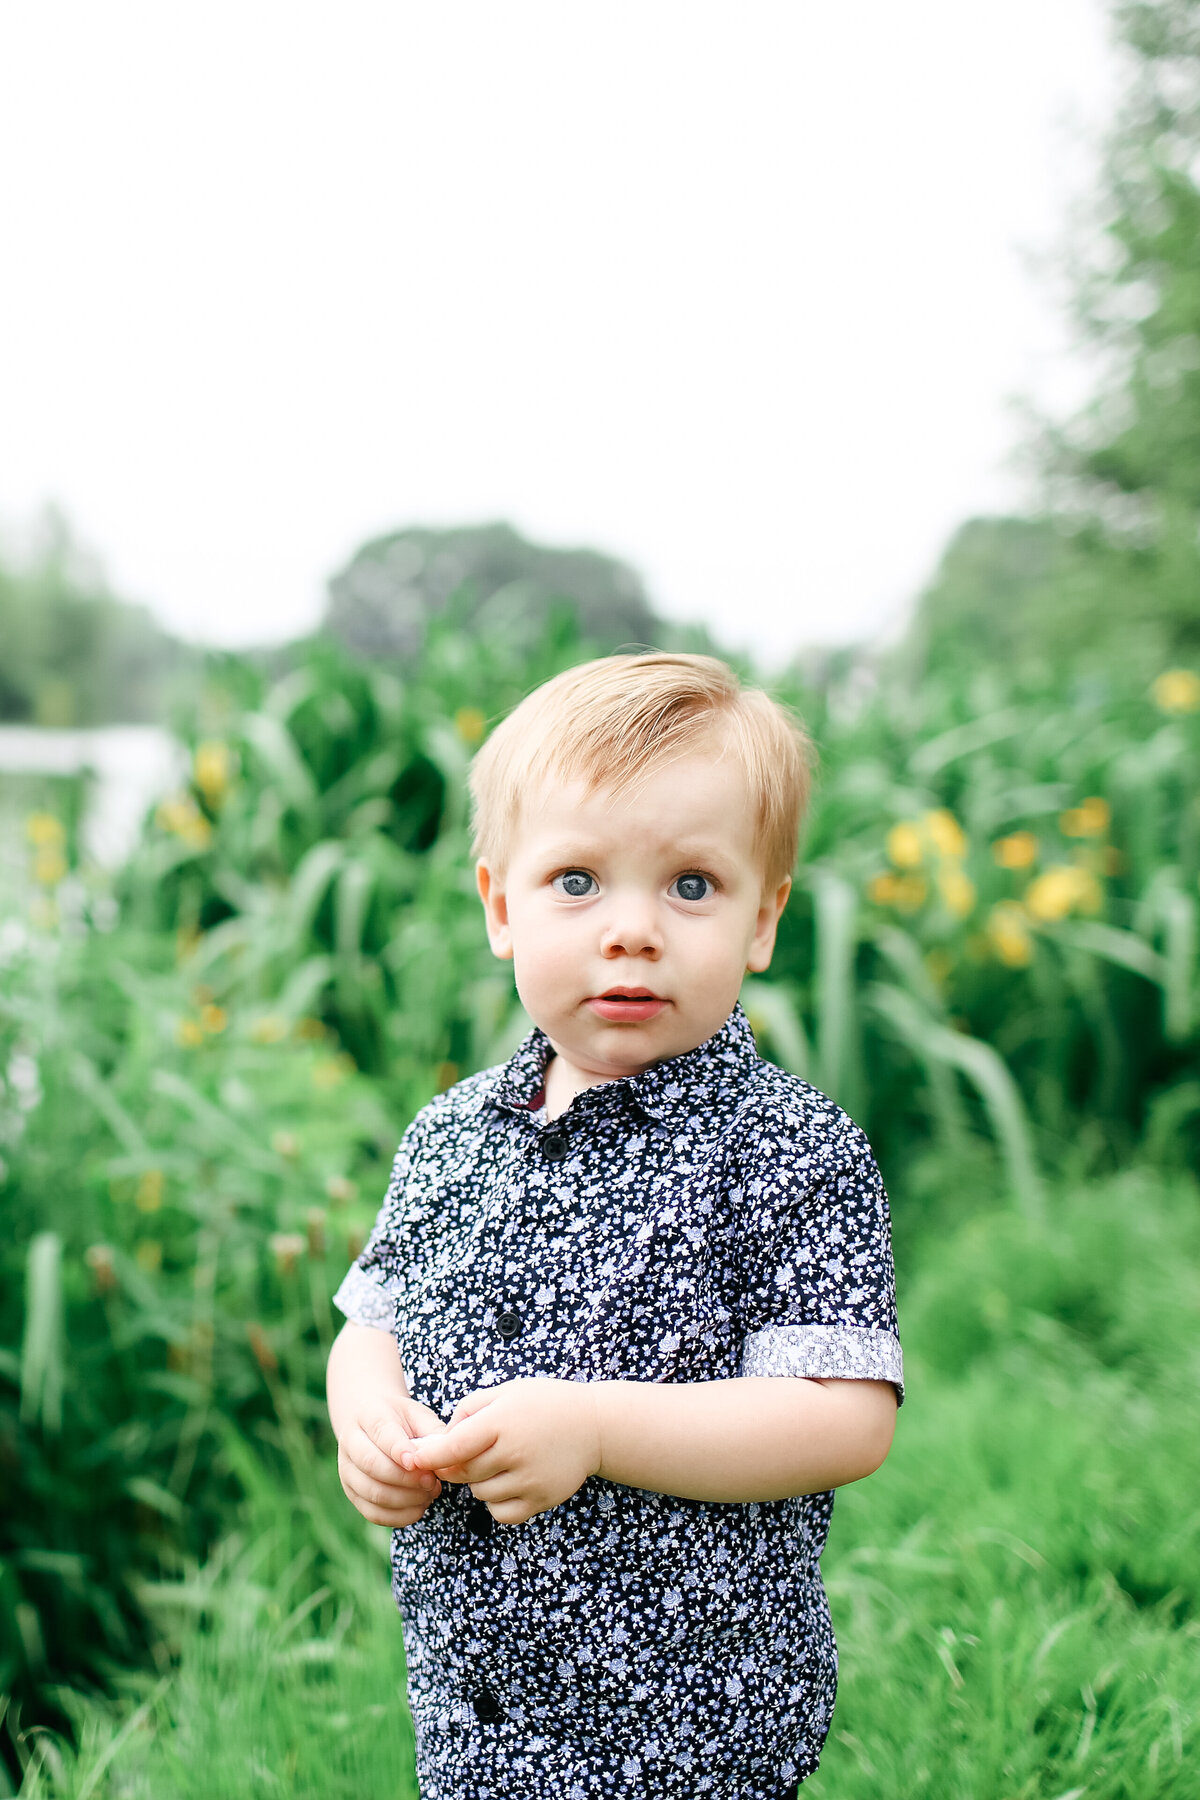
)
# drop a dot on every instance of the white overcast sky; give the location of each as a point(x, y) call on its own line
point(737, 292)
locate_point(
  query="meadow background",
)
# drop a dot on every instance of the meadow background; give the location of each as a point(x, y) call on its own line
point(208, 1053)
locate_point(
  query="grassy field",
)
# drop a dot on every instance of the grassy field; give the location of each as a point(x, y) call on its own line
point(990, 960)
point(1016, 1591)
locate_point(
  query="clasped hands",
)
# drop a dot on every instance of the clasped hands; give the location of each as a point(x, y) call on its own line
point(522, 1448)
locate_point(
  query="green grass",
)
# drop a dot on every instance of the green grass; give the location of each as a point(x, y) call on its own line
point(1016, 1592)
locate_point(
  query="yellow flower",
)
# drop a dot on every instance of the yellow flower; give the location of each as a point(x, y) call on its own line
point(269, 1029)
point(1063, 889)
point(45, 831)
point(904, 845)
point(211, 768)
point(1008, 935)
point(183, 818)
point(1177, 691)
point(310, 1031)
point(148, 1254)
point(469, 723)
point(882, 889)
point(1088, 820)
point(945, 833)
point(189, 1033)
point(214, 1018)
point(956, 888)
point(49, 865)
point(149, 1195)
point(939, 962)
point(1018, 851)
point(285, 1143)
point(911, 892)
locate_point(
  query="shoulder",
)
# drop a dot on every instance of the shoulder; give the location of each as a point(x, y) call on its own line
point(454, 1111)
point(784, 1123)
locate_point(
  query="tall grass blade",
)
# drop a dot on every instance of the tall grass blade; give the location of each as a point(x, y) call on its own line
point(962, 740)
point(836, 908)
point(42, 1349)
point(772, 1007)
point(1179, 946)
point(991, 1079)
point(123, 1128)
point(276, 748)
point(904, 1015)
point(352, 900)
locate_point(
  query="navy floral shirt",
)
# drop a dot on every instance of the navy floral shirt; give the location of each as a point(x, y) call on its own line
point(710, 1218)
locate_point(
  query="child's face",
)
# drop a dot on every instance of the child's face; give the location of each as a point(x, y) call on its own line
point(657, 893)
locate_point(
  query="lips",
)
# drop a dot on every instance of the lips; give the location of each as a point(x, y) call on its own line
point(626, 1006)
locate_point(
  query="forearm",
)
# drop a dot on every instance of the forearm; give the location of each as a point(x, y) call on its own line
point(362, 1360)
point(755, 1438)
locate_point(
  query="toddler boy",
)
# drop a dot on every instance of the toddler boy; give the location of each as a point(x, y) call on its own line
point(643, 1276)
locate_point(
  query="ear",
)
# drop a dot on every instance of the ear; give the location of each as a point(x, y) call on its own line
point(762, 944)
point(495, 910)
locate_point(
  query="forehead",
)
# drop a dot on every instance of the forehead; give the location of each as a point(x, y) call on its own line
point(699, 803)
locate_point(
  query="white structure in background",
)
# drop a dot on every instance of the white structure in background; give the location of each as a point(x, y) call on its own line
point(132, 765)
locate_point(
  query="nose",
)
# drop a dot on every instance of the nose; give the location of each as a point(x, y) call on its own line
point(631, 927)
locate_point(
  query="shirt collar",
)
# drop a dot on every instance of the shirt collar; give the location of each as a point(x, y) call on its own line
point(677, 1088)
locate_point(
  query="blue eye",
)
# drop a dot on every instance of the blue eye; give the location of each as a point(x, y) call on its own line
point(692, 887)
point(576, 884)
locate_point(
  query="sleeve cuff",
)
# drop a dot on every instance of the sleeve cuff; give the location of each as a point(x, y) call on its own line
point(834, 1352)
point(365, 1302)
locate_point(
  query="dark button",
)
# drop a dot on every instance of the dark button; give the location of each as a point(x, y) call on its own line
point(486, 1705)
point(480, 1520)
point(509, 1326)
point(555, 1146)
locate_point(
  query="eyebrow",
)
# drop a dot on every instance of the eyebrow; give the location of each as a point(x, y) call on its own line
point(691, 850)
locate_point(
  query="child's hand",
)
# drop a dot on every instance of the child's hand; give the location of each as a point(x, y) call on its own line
point(369, 1464)
point(523, 1447)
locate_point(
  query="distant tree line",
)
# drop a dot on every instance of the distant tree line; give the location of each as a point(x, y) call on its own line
point(71, 652)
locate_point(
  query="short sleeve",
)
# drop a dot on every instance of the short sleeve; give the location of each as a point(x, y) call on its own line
point(375, 1280)
point(818, 1285)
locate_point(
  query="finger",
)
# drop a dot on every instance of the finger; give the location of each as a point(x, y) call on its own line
point(393, 1517)
point(421, 1420)
point(517, 1511)
point(406, 1491)
point(443, 1449)
point(366, 1455)
point(387, 1431)
point(393, 1510)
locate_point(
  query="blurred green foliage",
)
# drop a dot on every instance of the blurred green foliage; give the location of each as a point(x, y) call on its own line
point(990, 960)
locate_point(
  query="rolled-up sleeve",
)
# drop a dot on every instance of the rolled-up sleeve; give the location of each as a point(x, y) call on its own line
point(818, 1285)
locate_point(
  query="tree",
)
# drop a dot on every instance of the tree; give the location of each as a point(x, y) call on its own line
point(71, 653)
point(380, 603)
point(1109, 570)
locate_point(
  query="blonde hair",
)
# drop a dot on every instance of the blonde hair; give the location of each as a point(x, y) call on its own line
point(612, 722)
